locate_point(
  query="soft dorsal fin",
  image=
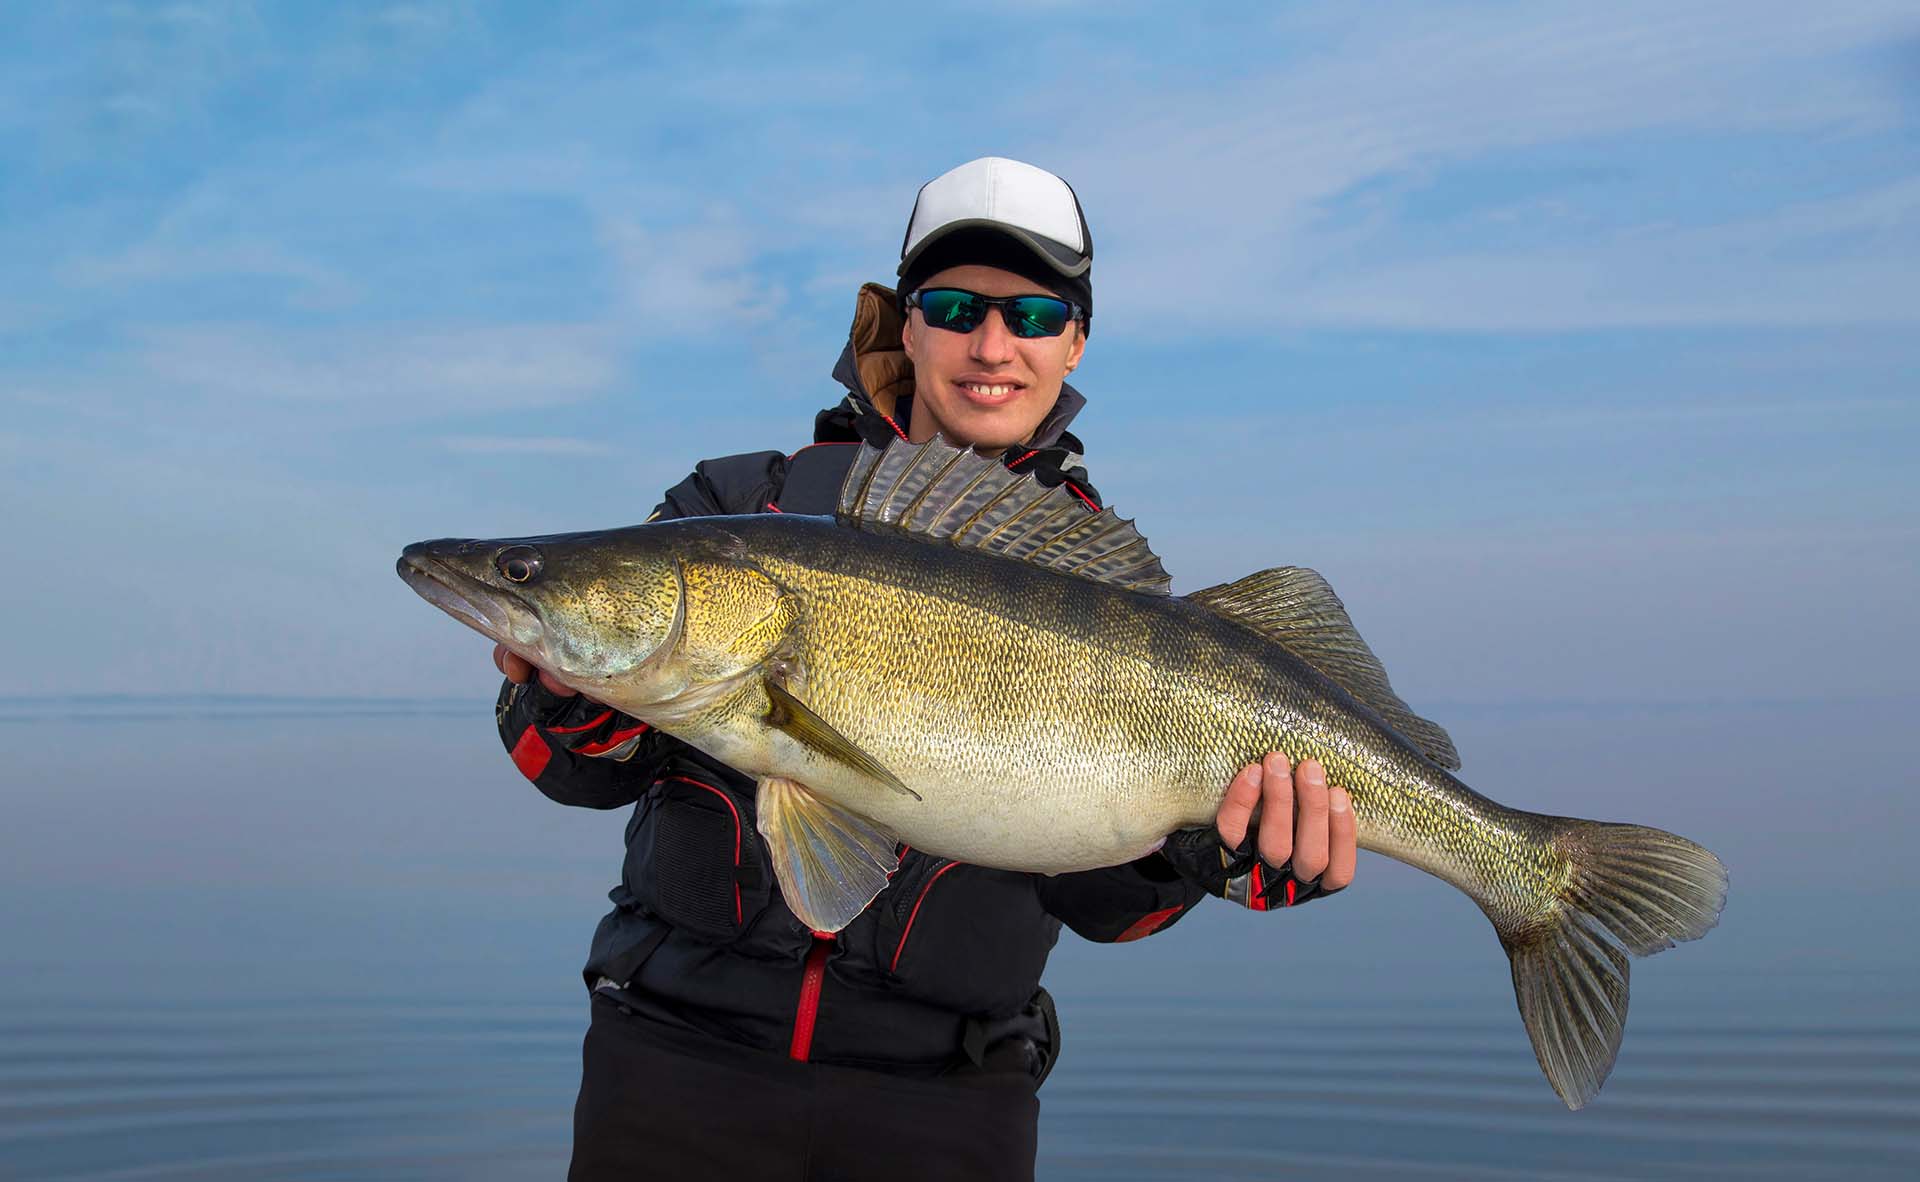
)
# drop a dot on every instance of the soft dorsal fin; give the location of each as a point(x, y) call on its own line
point(940, 493)
point(1296, 608)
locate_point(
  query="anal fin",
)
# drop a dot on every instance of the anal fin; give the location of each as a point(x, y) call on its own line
point(830, 862)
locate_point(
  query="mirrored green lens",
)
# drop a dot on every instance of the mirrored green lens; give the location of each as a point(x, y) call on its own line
point(1036, 316)
point(961, 311)
point(958, 310)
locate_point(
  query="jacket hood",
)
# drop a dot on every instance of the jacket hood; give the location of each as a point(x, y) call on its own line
point(877, 373)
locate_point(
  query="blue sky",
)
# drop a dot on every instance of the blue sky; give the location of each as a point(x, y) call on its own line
point(1578, 345)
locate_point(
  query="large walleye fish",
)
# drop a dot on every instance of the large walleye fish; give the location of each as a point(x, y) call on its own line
point(973, 664)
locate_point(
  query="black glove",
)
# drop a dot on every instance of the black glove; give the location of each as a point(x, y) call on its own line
point(1239, 876)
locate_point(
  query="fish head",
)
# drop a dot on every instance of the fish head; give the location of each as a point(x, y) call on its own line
point(597, 610)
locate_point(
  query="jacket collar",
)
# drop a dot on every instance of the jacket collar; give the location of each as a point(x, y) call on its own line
point(877, 374)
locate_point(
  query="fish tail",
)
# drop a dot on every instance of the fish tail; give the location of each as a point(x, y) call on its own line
point(1628, 889)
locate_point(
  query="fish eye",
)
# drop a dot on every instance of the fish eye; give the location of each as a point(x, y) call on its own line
point(518, 564)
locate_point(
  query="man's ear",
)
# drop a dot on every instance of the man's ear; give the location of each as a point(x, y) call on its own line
point(1078, 347)
point(906, 335)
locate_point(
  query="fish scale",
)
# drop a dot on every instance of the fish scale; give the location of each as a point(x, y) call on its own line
point(1144, 690)
point(969, 662)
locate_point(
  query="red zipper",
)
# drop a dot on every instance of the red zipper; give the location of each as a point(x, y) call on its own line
point(811, 979)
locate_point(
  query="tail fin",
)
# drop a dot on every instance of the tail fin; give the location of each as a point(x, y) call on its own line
point(1644, 889)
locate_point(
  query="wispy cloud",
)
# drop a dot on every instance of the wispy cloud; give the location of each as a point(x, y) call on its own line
point(529, 445)
point(1267, 190)
point(689, 282)
point(1844, 260)
point(182, 263)
point(384, 373)
point(281, 289)
point(163, 64)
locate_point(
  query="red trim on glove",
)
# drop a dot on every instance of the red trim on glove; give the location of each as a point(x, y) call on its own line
point(585, 726)
point(611, 741)
point(531, 753)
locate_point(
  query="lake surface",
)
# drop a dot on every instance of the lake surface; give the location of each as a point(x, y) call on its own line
point(323, 940)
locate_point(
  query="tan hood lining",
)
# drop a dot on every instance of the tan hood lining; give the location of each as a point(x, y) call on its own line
point(885, 371)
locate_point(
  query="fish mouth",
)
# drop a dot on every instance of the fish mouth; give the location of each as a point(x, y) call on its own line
point(486, 609)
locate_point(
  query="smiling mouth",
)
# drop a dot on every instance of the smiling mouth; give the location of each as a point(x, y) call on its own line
point(991, 391)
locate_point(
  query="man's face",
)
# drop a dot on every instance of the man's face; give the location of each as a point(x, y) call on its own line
point(987, 388)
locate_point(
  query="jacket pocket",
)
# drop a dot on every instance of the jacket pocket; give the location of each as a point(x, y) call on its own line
point(693, 861)
point(909, 896)
point(964, 937)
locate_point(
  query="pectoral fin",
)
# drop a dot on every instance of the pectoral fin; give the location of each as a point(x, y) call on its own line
point(830, 862)
point(788, 713)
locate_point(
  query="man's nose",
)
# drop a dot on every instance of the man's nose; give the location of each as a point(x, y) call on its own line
point(992, 343)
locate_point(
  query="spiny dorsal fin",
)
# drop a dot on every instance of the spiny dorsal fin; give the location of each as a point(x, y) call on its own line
point(940, 493)
point(1294, 607)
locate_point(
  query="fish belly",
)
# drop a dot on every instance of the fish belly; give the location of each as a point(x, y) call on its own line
point(1032, 746)
point(1053, 725)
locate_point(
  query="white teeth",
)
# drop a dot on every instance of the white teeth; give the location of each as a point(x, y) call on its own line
point(989, 391)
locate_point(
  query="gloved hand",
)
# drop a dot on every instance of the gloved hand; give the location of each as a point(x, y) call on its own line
point(1238, 875)
point(1281, 838)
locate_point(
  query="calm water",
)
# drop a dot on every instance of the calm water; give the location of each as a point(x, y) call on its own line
point(316, 942)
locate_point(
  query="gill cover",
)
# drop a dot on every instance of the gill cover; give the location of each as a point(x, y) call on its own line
point(735, 618)
point(611, 614)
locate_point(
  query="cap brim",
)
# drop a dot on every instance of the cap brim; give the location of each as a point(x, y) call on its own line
point(1058, 256)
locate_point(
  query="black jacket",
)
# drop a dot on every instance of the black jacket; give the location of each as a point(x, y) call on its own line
point(945, 964)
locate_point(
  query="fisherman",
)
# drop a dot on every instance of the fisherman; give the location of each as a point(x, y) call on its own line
point(726, 1038)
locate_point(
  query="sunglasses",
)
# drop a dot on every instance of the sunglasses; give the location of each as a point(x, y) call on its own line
point(956, 310)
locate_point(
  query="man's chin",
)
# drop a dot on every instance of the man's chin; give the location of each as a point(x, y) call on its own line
point(993, 430)
point(986, 445)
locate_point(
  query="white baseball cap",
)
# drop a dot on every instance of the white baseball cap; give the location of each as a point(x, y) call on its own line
point(1028, 204)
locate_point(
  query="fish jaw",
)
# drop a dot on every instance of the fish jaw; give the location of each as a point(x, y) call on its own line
point(604, 624)
point(496, 614)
